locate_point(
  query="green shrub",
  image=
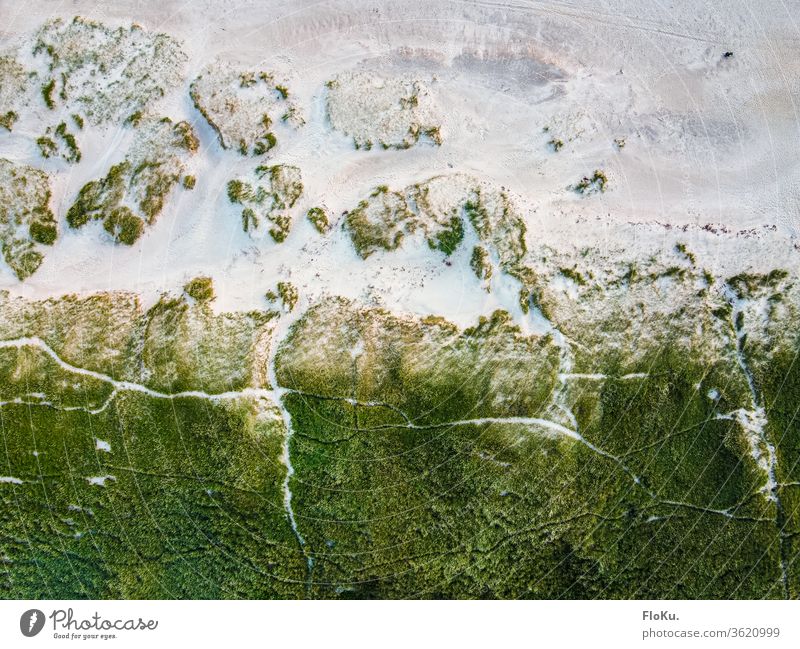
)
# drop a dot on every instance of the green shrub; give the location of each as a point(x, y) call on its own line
point(44, 233)
point(238, 191)
point(288, 294)
point(481, 263)
point(200, 288)
point(122, 224)
point(98, 197)
point(597, 182)
point(7, 120)
point(448, 240)
point(185, 137)
point(682, 249)
point(280, 229)
point(435, 134)
point(262, 144)
point(249, 219)
point(73, 152)
point(574, 275)
point(47, 147)
point(47, 94)
point(319, 219)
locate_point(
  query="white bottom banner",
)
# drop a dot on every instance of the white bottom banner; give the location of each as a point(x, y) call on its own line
point(414, 624)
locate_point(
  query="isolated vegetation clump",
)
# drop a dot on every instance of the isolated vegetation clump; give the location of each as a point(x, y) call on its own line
point(200, 289)
point(242, 106)
point(47, 93)
point(7, 120)
point(26, 221)
point(106, 73)
point(59, 142)
point(389, 113)
point(597, 182)
point(267, 198)
point(133, 192)
point(319, 219)
point(286, 293)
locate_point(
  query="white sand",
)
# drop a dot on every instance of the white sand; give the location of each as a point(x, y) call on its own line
point(709, 157)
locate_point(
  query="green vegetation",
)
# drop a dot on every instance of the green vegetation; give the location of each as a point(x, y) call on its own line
point(123, 225)
point(45, 233)
point(286, 293)
point(268, 199)
point(47, 147)
point(189, 182)
point(7, 119)
point(498, 225)
point(292, 115)
point(242, 113)
point(398, 111)
point(144, 179)
point(319, 219)
point(15, 85)
point(683, 250)
point(574, 275)
point(747, 284)
point(201, 289)
point(434, 133)
point(264, 144)
point(47, 93)
point(481, 263)
point(184, 137)
point(381, 221)
point(598, 182)
point(556, 144)
point(78, 120)
point(106, 73)
point(73, 153)
point(134, 119)
point(247, 79)
point(485, 494)
point(26, 220)
point(411, 101)
point(449, 238)
point(177, 520)
point(424, 465)
point(378, 223)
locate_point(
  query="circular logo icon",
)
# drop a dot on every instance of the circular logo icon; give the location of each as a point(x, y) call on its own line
point(31, 622)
